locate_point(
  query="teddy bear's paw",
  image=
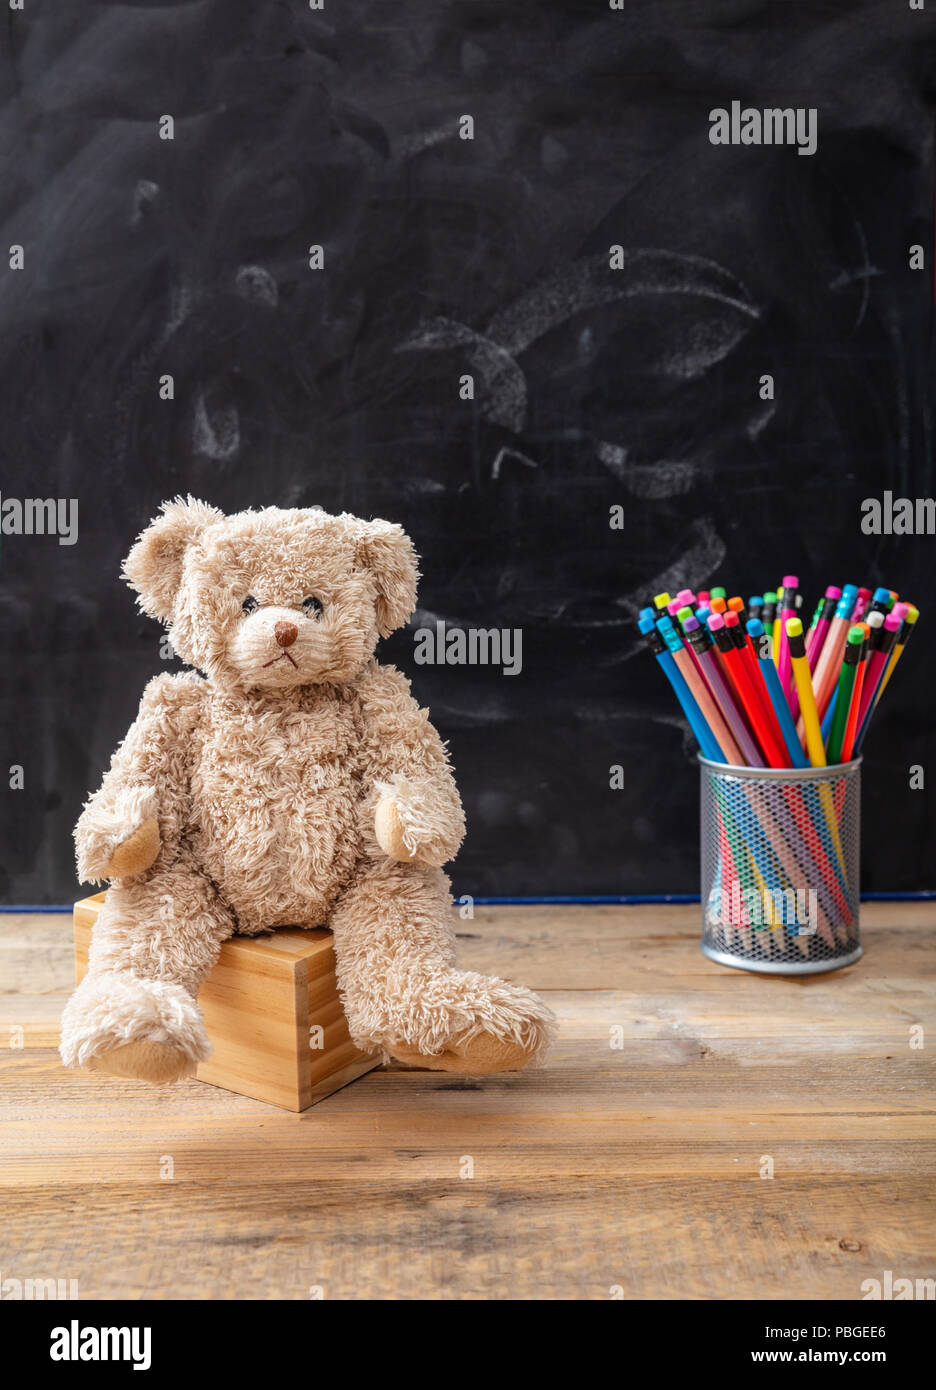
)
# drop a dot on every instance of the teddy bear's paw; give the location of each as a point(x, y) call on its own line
point(119, 1022)
point(159, 1063)
point(482, 1055)
point(115, 841)
point(417, 821)
point(511, 1028)
point(388, 828)
point(136, 854)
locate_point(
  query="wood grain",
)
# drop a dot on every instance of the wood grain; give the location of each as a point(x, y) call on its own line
point(631, 1162)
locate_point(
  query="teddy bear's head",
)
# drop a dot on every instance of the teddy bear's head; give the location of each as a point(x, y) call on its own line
point(273, 599)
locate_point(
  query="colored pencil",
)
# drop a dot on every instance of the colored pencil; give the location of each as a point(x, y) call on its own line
point(879, 654)
point(701, 641)
point(843, 694)
point(768, 670)
point(745, 696)
point(767, 728)
point(826, 613)
point(797, 652)
point(787, 611)
point(851, 722)
point(683, 694)
point(688, 665)
point(862, 600)
point(825, 676)
point(903, 638)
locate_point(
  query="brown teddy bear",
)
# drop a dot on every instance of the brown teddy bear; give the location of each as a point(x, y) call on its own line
point(296, 783)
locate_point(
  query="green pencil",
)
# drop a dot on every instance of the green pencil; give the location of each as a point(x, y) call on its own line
point(846, 684)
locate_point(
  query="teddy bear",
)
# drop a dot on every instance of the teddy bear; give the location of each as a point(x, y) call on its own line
point(289, 779)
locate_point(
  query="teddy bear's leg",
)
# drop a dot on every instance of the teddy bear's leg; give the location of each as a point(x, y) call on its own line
point(135, 1012)
point(394, 931)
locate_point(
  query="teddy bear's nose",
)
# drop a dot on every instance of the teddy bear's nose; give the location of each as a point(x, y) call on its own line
point(285, 633)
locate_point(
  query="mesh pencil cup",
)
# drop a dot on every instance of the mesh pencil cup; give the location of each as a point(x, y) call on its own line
point(780, 866)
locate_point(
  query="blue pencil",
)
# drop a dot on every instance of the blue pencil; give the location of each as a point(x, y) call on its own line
point(690, 709)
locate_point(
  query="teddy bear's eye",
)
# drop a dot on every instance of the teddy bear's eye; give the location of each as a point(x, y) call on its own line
point(312, 606)
point(249, 604)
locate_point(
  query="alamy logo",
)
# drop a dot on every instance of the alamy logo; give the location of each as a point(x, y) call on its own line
point(40, 516)
point(77, 1343)
point(774, 126)
point(15, 1290)
point(901, 516)
point(898, 1290)
point(473, 646)
point(768, 907)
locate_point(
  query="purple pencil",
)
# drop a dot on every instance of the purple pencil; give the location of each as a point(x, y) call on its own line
point(701, 644)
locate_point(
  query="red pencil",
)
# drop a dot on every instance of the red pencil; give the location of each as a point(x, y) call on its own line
point(747, 692)
point(768, 731)
point(729, 671)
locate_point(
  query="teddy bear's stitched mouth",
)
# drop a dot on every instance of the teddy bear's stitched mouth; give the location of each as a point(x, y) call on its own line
point(280, 658)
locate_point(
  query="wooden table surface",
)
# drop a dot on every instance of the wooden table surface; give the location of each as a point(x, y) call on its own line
point(630, 1167)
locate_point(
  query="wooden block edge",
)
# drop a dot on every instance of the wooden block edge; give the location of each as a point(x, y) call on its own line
point(337, 1080)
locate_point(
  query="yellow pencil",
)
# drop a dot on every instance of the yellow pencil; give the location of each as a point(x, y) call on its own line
point(807, 699)
point(814, 745)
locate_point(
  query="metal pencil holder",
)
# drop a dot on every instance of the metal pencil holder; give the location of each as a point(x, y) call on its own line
point(780, 867)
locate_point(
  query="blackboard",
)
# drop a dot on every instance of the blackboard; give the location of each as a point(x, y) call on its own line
point(636, 387)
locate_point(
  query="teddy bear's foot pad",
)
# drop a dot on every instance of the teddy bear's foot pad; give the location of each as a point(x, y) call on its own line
point(482, 1055)
point(156, 1062)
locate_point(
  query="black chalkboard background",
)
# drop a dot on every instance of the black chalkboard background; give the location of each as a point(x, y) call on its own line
point(443, 256)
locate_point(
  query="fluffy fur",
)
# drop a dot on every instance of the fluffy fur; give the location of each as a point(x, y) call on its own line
point(295, 783)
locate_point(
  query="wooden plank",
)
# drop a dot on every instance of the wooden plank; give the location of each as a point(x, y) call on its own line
point(566, 1200)
point(597, 1114)
point(478, 1239)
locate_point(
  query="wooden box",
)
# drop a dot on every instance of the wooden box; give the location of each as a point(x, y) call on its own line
point(272, 1012)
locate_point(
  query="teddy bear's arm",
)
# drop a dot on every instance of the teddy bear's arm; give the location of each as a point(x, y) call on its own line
point(140, 804)
point(412, 805)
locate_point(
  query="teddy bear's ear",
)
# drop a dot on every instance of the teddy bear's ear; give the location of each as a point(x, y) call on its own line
point(154, 566)
point(387, 551)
